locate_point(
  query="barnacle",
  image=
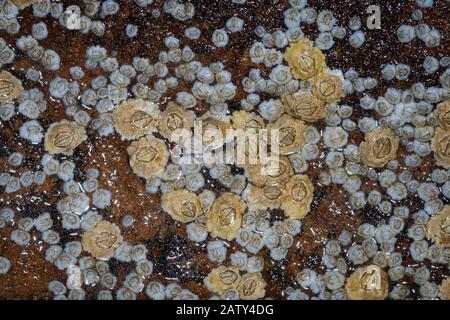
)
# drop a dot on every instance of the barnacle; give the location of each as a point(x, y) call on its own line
point(305, 60)
point(444, 289)
point(304, 105)
point(135, 118)
point(262, 198)
point(252, 286)
point(148, 156)
point(438, 227)
point(225, 216)
point(63, 137)
point(182, 205)
point(22, 4)
point(298, 197)
point(274, 170)
point(222, 278)
point(175, 118)
point(247, 121)
point(214, 130)
point(443, 114)
point(289, 133)
point(380, 146)
point(10, 87)
point(102, 240)
point(367, 283)
point(440, 144)
point(328, 86)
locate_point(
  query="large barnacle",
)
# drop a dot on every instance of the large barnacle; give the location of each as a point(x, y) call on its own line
point(222, 278)
point(328, 86)
point(290, 134)
point(379, 146)
point(273, 171)
point(214, 131)
point(367, 283)
point(444, 289)
point(10, 87)
point(148, 156)
point(102, 240)
point(135, 118)
point(304, 60)
point(304, 105)
point(22, 4)
point(440, 144)
point(63, 137)
point(181, 205)
point(175, 118)
point(443, 114)
point(266, 197)
point(247, 121)
point(438, 227)
point(252, 286)
point(298, 197)
point(225, 217)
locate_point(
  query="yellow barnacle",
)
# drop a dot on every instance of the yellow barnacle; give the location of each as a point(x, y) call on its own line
point(263, 198)
point(181, 205)
point(440, 144)
point(276, 170)
point(102, 240)
point(305, 60)
point(222, 278)
point(379, 146)
point(367, 283)
point(438, 227)
point(175, 118)
point(135, 118)
point(225, 217)
point(63, 137)
point(214, 130)
point(22, 4)
point(328, 86)
point(252, 286)
point(10, 87)
point(304, 105)
point(298, 197)
point(443, 114)
point(148, 156)
point(247, 121)
point(289, 133)
point(444, 289)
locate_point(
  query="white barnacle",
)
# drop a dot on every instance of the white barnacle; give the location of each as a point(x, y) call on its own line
point(220, 38)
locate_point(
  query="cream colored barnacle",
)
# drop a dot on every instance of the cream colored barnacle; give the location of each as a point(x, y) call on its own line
point(135, 118)
point(367, 283)
point(304, 105)
point(22, 4)
point(305, 60)
point(252, 286)
point(298, 197)
point(10, 87)
point(443, 114)
point(379, 146)
point(263, 198)
point(247, 121)
point(175, 118)
point(328, 86)
point(222, 278)
point(64, 137)
point(148, 157)
point(102, 240)
point(438, 227)
point(290, 134)
point(440, 144)
point(444, 289)
point(181, 205)
point(276, 170)
point(225, 217)
point(214, 130)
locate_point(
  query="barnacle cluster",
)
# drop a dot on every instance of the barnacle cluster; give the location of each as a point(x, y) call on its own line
point(122, 152)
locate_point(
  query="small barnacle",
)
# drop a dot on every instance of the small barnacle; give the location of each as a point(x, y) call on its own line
point(304, 105)
point(148, 156)
point(5, 265)
point(51, 237)
point(328, 86)
point(298, 197)
point(135, 118)
point(335, 137)
point(10, 87)
point(220, 38)
point(235, 24)
point(63, 137)
point(357, 39)
point(406, 33)
point(304, 60)
point(225, 216)
point(271, 110)
point(379, 146)
point(289, 134)
point(20, 237)
point(252, 286)
point(181, 205)
point(217, 252)
point(50, 60)
point(324, 41)
point(440, 145)
point(32, 131)
point(438, 227)
point(222, 278)
point(102, 240)
point(192, 33)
